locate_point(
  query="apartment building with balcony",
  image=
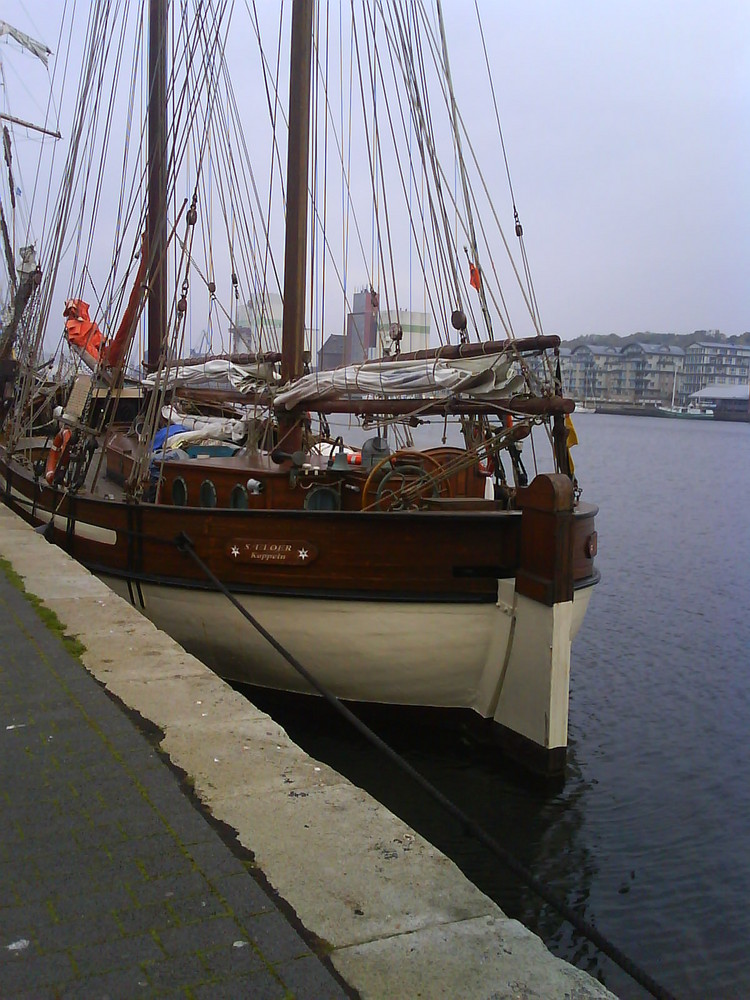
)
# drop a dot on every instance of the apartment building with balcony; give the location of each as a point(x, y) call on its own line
point(641, 372)
point(648, 373)
point(715, 363)
point(591, 370)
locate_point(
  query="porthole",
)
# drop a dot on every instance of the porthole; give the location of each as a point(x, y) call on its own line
point(208, 494)
point(238, 498)
point(322, 498)
point(179, 492)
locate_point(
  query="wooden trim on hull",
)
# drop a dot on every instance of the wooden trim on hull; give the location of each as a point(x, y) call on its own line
point(380, 596)
point(384, 597)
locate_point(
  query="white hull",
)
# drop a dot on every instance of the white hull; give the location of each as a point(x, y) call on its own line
point(508, 661)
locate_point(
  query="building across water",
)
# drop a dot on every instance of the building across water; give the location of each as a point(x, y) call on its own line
point(649, 374)
point(728, 402)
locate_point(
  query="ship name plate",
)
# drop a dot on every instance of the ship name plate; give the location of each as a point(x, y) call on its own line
point(279, 552)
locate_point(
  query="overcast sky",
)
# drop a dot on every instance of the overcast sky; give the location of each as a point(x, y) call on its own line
point(627, 124)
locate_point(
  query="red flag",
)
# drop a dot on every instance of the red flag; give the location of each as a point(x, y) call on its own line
point(474, 279)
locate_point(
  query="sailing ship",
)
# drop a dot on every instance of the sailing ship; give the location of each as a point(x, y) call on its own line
point(408, 559)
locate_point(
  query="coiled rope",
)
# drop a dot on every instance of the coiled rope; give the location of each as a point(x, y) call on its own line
point(185, 545)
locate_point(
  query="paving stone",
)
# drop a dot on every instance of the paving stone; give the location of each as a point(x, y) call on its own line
point(257, 987)
point(172, 862)
point(275, 938)
point(194, 908)
point(144, 919)
point(159, 845)
point(169, 887)
point(192, 828)
point(105, 897)
point(121, 985)
point(111, 955)
point(36, 971)
point(79, 932)
point(200, 936)
point(215, 861)
point(39, 993)
point(236, 959)
point(20, 923)
point(243, 895)
point(307, 976)
point(184, 971)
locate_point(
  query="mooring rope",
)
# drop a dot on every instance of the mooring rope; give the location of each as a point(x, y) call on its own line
point(185, 545)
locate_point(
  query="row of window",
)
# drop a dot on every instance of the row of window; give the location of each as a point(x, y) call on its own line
point(207, 495)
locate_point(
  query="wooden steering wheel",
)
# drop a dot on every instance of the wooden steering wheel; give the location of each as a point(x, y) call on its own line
point(402, 480)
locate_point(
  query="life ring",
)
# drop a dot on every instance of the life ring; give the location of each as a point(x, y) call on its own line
point(59, 455)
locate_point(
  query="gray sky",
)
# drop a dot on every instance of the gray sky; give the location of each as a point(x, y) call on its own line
point(627, 126)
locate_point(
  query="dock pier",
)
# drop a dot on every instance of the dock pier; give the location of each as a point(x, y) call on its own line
point(160, 833)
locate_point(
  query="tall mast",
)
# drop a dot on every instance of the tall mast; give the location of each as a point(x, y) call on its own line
point(298, 156)
point(157, 179)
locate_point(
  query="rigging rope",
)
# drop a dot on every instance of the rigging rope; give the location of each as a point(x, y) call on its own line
point(516, 217)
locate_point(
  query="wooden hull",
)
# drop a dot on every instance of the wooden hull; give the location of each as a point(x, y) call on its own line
point(454, 609)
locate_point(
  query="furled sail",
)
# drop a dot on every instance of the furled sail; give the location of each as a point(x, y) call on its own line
point(482, 376)
point(243, 378)
point(38, 49)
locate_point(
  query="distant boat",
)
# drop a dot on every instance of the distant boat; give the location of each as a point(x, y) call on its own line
point(690, 412)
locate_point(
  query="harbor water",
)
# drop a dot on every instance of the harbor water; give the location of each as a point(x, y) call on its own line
point(649, 836)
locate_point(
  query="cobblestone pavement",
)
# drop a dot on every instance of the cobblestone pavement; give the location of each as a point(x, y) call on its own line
point(112, 883)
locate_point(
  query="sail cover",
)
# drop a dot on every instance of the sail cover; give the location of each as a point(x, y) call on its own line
point(482, 376)
point(243, 378)
point(37, 49)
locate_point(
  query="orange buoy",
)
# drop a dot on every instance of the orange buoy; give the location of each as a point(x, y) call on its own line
point(59, 455)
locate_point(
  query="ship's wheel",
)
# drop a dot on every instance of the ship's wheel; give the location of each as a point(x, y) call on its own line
point(403, 481)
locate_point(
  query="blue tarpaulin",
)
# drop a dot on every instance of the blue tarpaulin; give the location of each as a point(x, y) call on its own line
point(166, 432)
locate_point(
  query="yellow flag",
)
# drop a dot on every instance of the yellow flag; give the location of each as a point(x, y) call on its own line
point(572, 436)
point(572, 439)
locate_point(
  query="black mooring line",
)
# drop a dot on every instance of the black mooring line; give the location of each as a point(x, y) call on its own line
point(185, 545)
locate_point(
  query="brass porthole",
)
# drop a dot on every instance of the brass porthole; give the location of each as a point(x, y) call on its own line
point(208, 494)
point(179, 492)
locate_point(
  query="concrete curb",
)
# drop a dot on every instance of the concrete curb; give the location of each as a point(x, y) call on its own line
point(400, 918)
